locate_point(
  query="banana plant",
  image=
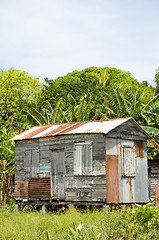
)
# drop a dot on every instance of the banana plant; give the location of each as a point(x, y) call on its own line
point(6, 162)
point(125, 104)
point(66, 110)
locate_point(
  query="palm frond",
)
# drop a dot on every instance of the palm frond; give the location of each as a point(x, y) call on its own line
point(35, 117)
point(151, 104)
point(123, 103)
point(151, 130)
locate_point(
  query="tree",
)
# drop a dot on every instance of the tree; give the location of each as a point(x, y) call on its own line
point(6, 163)
point(92, 79)
point(157, 82)
point(125, 104)
point(17, 91)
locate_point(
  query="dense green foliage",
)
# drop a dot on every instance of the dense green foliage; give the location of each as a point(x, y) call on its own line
point(17, 91)
point(157, 82)
point(6, 162)
point(98, 93)
point(92, 80)
point(139, 223)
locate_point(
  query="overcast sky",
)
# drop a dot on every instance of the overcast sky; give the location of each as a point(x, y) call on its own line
point(49, 38)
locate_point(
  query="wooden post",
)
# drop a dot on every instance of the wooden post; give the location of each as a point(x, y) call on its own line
point(71, 207)
point(43, 209)
point(106, 208)
point(123, 207)
point(16, 208)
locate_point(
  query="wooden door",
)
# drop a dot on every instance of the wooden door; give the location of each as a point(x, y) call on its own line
point(57, 174)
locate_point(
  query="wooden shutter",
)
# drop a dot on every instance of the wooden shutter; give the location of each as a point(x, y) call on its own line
point(128, 161)
point(31, 162)
point(28, 162)
point(35, 162)
point(83, 159)
point(78, 160)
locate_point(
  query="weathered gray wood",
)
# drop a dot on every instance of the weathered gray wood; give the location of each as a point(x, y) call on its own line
point(111, 146)
point(99, 143)
point(87, 159)
point(79, 194)
point(128, 131)
point(58, 173)
point(68, 154)
point(35, 163)
point(78, 182)
point(99, 194)
point(83, 158)
point(99, 167)
point(69, 161)
point(153, 177)
point(43, 209)
point(99, 154)
point(99, 180)
point(16, 208)
point(28, 163)
point(27, 144)
point(78, 160)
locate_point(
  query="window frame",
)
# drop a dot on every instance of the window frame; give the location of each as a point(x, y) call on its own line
point(83, 158)
point(128, 164)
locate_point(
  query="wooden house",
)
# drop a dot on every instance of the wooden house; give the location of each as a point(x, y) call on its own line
point(93, 163)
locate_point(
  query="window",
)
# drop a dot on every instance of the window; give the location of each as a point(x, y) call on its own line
point(44, 160)
point(31, 162)
point(128, 161)
point(44, 167)
point(83, 158)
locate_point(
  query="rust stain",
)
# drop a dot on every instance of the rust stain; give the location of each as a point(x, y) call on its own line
point(21, 190)
point(157, 196)
point(112, 179)
point(60, 128)
point(39, 188)
point(63, 128)
point(131, 193)
point(139, 152)
point(36, 131)
point(78, 124)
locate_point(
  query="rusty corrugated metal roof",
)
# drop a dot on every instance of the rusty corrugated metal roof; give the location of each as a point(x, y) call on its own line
point(97, 126)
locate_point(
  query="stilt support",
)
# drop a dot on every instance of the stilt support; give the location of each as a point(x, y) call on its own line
point(43, 209)
point(71, 207)
point(16, 208)
point(106, 208)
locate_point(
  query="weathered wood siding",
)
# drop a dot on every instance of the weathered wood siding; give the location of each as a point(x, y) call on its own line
point(127, 131)
point(153, 177)
point(57, 158)
point(89, 182)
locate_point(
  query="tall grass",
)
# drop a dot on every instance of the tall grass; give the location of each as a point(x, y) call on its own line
point(139, 223)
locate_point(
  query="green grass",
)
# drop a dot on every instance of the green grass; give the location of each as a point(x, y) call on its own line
point(140, 223)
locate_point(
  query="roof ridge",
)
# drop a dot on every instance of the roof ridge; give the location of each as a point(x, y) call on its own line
point(100, 120)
